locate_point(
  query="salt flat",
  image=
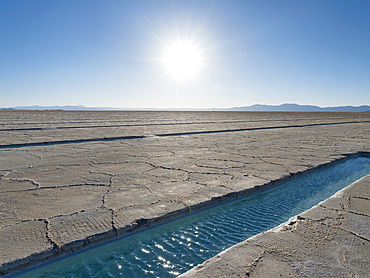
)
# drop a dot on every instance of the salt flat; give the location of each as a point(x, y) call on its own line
point(73, 179)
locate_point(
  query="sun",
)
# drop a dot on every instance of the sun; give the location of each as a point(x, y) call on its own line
point(183, 60)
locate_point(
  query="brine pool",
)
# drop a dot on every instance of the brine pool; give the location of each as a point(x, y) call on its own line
point(174, 248)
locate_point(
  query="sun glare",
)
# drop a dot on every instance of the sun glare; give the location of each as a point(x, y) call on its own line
point(183, 60)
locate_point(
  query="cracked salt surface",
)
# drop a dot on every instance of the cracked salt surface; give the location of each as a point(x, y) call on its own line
point(172, 249)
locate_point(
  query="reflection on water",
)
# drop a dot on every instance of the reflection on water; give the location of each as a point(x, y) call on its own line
point(172, 249)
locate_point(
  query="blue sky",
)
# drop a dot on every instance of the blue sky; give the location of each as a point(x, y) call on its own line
point(110, 53)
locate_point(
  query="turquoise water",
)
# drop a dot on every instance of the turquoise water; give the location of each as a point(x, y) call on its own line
point(174, 248)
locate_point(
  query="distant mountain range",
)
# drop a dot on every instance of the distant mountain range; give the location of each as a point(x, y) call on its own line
point(256, 107)
point(300, 108)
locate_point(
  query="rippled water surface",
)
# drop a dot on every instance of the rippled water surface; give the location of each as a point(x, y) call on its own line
point(172, 249)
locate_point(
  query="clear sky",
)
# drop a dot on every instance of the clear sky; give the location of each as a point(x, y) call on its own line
point(184, 54)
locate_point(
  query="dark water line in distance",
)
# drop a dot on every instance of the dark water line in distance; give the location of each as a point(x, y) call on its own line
point(132, 125)
point(130, 137)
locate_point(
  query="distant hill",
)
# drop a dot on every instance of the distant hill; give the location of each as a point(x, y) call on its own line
point(65, 107)
point(300, 108)
point(287, 107)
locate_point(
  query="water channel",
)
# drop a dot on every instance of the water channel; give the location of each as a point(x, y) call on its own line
point(174, 248)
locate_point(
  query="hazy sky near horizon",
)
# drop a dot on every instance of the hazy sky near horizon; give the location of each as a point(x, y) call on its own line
point(115, 53)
